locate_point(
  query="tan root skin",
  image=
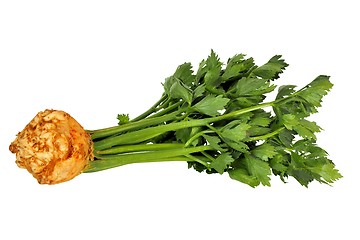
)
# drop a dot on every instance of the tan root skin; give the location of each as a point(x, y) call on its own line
point(53, 147)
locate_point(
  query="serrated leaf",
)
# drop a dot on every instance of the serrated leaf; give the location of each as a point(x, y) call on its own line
point(311, 158)
point(328, 172)
point(303, 176)
point(243, 176)
point(279, 163)
point(185, 73)
point(200, 72)
point(258, 168)
point(290, 121)
point(211, 105)
point(303, 127)
point(312, 126)
point(236, 145)
point(222, 162)
point(213, 60)
point(304, 132)
point(258, 131)
point(299, 171)
point(248, 101)
point(253, 86)
point(199, 91)
point(212, 77)
point(265, 151)
point(272, 69)
point(261, 118)
point(177, 90)
point(235, 131)
point(123, 118)
point(236, 66)
point(286, 137)
point(285, 90)
point(214, 142)
point(315, 91)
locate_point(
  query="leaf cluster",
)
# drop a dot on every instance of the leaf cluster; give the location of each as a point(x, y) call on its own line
point(222, 107)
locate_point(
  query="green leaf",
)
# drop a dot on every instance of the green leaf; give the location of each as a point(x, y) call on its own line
point(261, 118)
point(123, 118)
point(265, 151)
point(285, 90)
point(315, 91)
point(211, 105)
point(305, 145)
point(312, 126)
point(243, 176)
point(248, 101)
point(213, 69)
point(272, 69)
point(177, 90)
point(185, 73)
point(298, 169)
point(258, 168)
point(200, 72)
point(303, 176)
point(212, 78)
point(236, 66)
point(214, 142)
point(279, 164)
point(235, 131)
point(258, 131)
point(303, 127)
point(213, 61)
point(304, 132)
point(199, 91)
point(197, 166)
point(183, 135)
point(253, 86)
point(311, 158)
point(290, 121)
point(327, 172)
point(286, 137)
point(237, 145)
point(222, 162)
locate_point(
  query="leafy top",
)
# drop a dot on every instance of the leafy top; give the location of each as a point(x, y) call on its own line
point(218, 89)
point(220, 109)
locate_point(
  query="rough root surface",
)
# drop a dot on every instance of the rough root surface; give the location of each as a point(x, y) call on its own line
point(53, 147)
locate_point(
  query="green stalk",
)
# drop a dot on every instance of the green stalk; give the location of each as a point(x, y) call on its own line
point(139, 148)
point(106, 132)
point(111, 161)
point(266, 136)
point(166, 110)
point(150, 110)
point(145, 134)
point(148, 133)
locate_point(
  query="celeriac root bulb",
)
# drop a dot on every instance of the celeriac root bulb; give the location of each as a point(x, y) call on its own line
point(53, 147)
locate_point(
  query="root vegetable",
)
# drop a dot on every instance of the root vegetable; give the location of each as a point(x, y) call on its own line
point(216, 120)
point(53, 147)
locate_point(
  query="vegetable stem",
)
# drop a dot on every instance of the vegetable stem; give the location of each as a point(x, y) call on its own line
point(111, 161)
point(150, 110)
point(139, 148)
point(266, 136)
point(106, 132)
point(149, 133)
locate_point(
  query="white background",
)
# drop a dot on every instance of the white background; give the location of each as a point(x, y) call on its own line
point(95, 59)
